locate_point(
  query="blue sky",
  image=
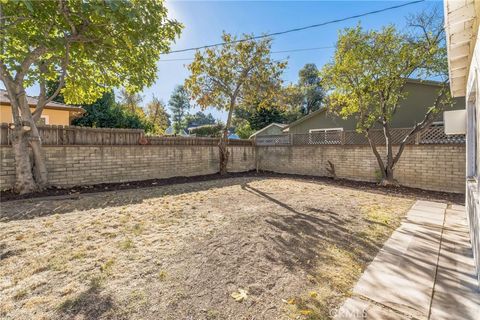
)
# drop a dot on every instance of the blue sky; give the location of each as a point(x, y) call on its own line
point(204, 22)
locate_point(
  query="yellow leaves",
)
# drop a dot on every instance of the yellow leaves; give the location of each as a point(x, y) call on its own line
point(240, 295)
point(306, 312)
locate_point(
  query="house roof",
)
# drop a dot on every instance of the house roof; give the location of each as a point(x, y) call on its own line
point(314, 113)
point(461, 25)
point(169, 132)
point(32, 101)
point(280, 125)
point(302, 119)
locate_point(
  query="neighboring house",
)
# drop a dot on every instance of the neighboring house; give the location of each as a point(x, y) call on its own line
point(271, 129)
point(420, 96)
point(462, 20)
point(170, 132)
point(53, 112)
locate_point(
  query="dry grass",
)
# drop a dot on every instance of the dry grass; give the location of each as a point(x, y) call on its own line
point(296, 247)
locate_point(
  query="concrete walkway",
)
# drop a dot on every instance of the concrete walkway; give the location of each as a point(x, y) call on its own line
point(424, 271)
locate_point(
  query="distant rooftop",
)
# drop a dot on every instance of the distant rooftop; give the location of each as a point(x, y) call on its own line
point(32, 101)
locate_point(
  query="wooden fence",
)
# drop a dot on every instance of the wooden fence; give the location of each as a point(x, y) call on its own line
point(53, 135)
point(432, 135)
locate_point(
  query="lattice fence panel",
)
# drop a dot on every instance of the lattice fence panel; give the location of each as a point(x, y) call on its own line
point(301, 139)
point(352, 137)
point(436, 135)
point(325, 137)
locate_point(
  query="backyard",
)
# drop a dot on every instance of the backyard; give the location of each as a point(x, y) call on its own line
point(243, 248)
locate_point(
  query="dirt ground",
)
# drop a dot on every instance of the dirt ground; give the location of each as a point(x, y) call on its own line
point(239, 248)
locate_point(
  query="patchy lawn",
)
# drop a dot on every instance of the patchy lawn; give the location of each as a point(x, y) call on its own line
point(242, 248)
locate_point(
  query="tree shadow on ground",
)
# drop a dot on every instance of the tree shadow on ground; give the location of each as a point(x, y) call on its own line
point(33, 208)
point(303, 235)
point(89, 305)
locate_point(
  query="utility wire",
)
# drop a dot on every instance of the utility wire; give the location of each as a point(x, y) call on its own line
point(282, 51)
point(299, 29)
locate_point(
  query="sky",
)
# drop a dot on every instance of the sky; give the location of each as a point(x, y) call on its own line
point(204, 22)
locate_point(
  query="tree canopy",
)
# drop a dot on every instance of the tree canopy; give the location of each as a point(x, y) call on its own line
point(310, 87)
point(90, 47)
point(179, 105)
point(157, 116)
point(240, 72)
point(368, 74)
point(106, 113)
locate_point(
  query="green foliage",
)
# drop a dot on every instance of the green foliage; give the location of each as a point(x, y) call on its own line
point(208, 130)
point(199, 119)
point(312, 92)
point(261, 118)
point(368, 74)
point(101, 44)
point(243, 130)
point(157, 116)
point(179, 105)
point(105, 113)
point(235, 73)
point(130, 101)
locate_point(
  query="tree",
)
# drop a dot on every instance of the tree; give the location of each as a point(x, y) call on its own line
point(157, 116)
point(105, 113)
point(130, 101)
point(179, 105)
point(261, 118)
point(88, 46)
point(368, 75)
point(208, 130)
point(243, 130)
point(311, 89)
point(238, 72)
point(199, 119)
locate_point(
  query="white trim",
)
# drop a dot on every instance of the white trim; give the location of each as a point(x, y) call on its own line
point(325, 130)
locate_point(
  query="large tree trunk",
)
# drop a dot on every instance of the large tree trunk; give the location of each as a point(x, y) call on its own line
point(386, 169)
point(39, 161)
point(388, 178)
point(222, 146)
point(223, 149)
point(24, 182)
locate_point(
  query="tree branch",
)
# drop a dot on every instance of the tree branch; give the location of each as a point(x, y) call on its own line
point(422, 125)
point(42, 100)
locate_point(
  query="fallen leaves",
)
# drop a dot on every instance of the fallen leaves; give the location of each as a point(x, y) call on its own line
point(240, 295)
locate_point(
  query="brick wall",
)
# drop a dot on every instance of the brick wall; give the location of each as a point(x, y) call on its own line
point(431, 167)
point(78, 165)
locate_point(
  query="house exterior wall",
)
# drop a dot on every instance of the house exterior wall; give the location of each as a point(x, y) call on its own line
point(273, 130)
point(473, 152)
point(56, 117)
point(420, 97)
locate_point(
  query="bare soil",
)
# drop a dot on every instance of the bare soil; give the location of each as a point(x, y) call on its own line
point(253, 247)
point(72, 192)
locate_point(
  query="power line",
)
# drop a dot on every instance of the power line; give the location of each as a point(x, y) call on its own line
point(299, 29)
point(282, 51)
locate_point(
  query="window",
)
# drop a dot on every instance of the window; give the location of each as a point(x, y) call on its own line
point(325, 136)
point(472, 133)
point(42, 121)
